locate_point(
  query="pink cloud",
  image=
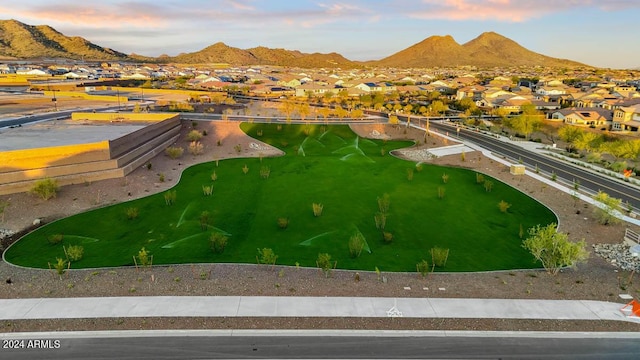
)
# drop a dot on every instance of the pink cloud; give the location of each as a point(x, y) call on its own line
point(509, 10)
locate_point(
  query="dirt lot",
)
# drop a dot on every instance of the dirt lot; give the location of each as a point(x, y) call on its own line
point(594, 280)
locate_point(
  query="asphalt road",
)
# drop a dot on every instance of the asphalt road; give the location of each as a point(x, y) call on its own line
point(328, 347)
point(568, 173)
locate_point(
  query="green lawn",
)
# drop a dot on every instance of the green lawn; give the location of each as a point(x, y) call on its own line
point(330, 165)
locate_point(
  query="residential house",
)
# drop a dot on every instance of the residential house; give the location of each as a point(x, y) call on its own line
point(594, 117)
point(626, 118)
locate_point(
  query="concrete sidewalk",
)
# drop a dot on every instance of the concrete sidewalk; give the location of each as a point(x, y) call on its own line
point(293, 306)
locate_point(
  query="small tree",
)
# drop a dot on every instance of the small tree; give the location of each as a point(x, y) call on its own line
point(60, 266)
point(608, 209)
point(479, 178)
point(553, 249)
point(266, 256)
point(170, 197)
point(218, 242)
point(356, 244)
point(445, 178)
point(488, 185)
point(45, 188)
point(207, 190)
point(324, 263)
point(441, 192)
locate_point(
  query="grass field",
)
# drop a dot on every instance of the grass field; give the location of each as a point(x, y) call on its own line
point(326, 165)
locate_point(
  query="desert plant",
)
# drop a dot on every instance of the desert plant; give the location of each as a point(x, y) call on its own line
point(503, 206)
point(245, 169)
point(174, 152)
point(170, 197)
point(60, 266)
point(161, 177)
point(205, 217)
point(238, 148)
point(553, 249)
point(207, 190)
point(410, 174)
point(445, 178)
point(218, 242)
point(55, 239)
point(387, 237)
point(266, 256)
point(381, 220)
point(423, 268)
point(608, 208)
point(196, 148)
point(463, 156)
point(194, 135)
point(479, 178)
point(356, 244)
point(439, 256)
point(488, 185)
point(265, 171)
point(143, 259)
point(317, 209)
point(74, 252)
point(441, 192)
point(46, 188)
point(214, 176)
point(325, 264)
point(131, 212)
point(383, 203)
point(283, 222)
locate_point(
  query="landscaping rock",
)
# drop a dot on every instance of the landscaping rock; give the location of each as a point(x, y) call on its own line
point(618, 255)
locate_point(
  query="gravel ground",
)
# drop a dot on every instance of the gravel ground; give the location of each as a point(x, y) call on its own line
point(594, 280)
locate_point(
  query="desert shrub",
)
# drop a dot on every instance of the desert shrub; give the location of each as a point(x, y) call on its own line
point(445, 178)
point(266, 256)
point(194, 135)
point(196, 148)
point(439, 256)
point(488, 185)
point(170, 197)
point(214, 176)
point(238, 148)
point(218, 242)
point(384, 202)
point(55, 239)
point(324, 263)
point(409, 174)
point(441, 192)
point(131, 212)
point(608, 210)
point(619, 166)
point(207, 190)
point(381, 220)
point(174, 152)
point(204, 219)
point(283, 222)
point(161, 177)
point(387, 237)
point(74, 252)
point(61, 266)
point(317, 209)
point(479, 178)
point(423, 268)
point(45, 188)
point(503, 206)
point(553, 249)
point(356, 244)
point(143, 259)
point(265, 171)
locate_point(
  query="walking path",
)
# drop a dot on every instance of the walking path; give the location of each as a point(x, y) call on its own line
point(293, 306)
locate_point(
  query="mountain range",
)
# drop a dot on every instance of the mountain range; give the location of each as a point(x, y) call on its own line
point(22, 41)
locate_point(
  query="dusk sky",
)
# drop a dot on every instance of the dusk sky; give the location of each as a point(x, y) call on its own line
point(595, 32)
